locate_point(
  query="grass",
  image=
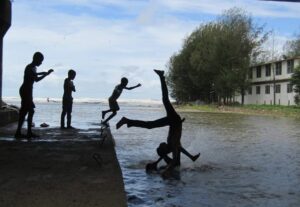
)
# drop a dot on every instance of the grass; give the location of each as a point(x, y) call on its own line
point(277, 110)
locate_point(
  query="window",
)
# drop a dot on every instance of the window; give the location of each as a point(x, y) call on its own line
point(257, 89)
point(250, 73)
point(268, 70)
point(267, 89)
point(289, 88)
point(278, 68)
point(250, 90)
point(258, 71)
point(290, 66)
point(277, 88)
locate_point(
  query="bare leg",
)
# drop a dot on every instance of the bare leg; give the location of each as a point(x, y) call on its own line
point(69, 118)
point(104, 112)
point(165, 94)
point(22, 116)
point(143, 124)
point(192, 157)
point(29, 125)
point(62, 119)
point(110, 117)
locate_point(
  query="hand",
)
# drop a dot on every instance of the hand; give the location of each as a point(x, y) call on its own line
point(138, 85)
point(50, 71)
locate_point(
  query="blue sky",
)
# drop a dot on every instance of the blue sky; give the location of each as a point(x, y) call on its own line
point(104, 40)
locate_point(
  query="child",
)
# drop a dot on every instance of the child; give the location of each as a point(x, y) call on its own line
point(67, 100)
point(113, 104)
point(27, 105)
point(174, 121)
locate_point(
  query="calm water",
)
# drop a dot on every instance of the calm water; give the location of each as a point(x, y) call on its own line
point(245, 160)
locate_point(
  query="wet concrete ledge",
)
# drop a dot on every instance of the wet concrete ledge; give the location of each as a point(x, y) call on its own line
point(59, 169)
point(8, 116)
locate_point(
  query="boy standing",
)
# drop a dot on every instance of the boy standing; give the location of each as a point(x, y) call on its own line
point(67, 102)
point(113, 104)
point(27, 106)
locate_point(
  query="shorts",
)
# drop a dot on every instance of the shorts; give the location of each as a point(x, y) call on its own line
point(26, 99)
point(113, 105)
point(67, 105)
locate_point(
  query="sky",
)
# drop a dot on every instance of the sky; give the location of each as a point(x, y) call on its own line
point(105, 40)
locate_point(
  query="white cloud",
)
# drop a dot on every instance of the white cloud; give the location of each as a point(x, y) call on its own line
point(103, 44)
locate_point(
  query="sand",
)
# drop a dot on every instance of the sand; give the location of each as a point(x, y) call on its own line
point(58, 169)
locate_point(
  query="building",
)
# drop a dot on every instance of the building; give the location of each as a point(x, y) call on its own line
point(270, 83)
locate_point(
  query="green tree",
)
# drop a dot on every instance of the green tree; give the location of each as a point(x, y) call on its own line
point(292, 47)
point(214, 61)
point(295, 81)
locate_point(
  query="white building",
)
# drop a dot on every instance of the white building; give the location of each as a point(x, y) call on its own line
point(270, 82)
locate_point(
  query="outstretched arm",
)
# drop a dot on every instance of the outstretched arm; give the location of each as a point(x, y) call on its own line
point(133, 87)
point(42, 75)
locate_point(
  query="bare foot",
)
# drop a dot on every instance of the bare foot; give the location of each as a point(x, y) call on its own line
point(196, 157)
point(159, 72)
point(121, 122)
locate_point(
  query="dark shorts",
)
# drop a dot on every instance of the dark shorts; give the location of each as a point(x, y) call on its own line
point(113, 105)
point(26, 99)
point(67, 105)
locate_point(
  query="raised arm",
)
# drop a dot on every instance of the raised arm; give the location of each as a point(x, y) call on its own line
point(133, 87)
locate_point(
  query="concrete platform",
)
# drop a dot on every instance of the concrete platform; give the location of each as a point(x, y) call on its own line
point(8, 116)
point(62, 168)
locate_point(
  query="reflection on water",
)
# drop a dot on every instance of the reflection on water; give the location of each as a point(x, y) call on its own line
point(245, 160)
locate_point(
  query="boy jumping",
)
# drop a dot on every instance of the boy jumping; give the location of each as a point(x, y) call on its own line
point(113, 104)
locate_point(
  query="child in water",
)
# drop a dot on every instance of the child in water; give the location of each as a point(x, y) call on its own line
point(174, 122)
point(113, 104)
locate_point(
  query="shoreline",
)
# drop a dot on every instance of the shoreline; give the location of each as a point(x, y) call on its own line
point(260, 110)
point(59, 169)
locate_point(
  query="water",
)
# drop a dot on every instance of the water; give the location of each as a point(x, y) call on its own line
point(245, 160)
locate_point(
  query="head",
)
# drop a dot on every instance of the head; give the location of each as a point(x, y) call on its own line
point(163, 149)
point(71, 74)
point(38, 58)
point(124, 81)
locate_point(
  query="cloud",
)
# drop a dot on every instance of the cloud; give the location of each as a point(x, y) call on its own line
point(105, 40)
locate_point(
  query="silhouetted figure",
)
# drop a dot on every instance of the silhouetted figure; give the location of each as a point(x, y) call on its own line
point(113, 104)
point(163, 150)
point(67, 102)
point(27, 106)
point(174, 121)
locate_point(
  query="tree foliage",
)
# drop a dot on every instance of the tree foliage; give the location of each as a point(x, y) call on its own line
point(292, 47)
point(214, 61)
point(295, 81)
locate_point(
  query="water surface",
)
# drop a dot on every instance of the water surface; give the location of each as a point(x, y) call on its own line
point(245, 160)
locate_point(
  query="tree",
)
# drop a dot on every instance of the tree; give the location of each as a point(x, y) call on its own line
point(214, 61)
point(292, 47)
point(295, 81)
